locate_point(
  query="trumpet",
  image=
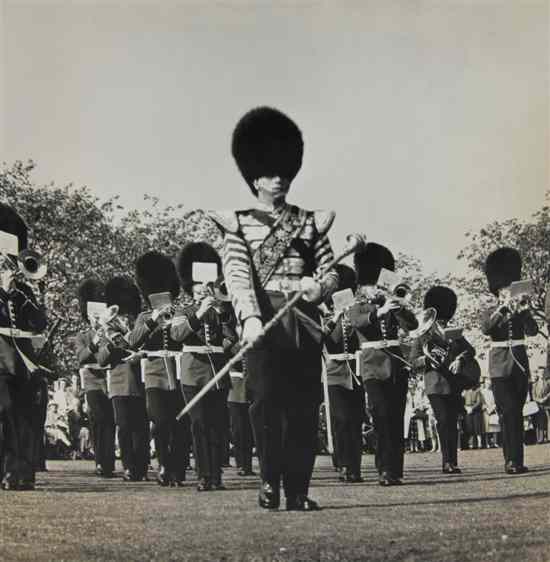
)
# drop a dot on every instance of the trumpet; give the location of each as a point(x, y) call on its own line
point(399, 294)
point(28, 264)
point(517, 304)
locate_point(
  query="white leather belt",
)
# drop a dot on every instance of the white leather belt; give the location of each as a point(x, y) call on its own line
point(82, 370)
point(236, 375)
point(162, 353)
point(202, 349)
point(507, 343)
point(379, 344)
point(341, 356)
point(17, 333)
point(283, 285)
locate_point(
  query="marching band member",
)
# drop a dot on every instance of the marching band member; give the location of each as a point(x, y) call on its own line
point(346, 393)
point(382, 367)
point(269, 253)
point(507, 324)
point(125, 387)
point(442, 381)
point(94, 380)
point(238, 403)
point(19, 310)
point(206, 332)
point(156, 274)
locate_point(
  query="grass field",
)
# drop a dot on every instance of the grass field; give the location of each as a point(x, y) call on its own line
point(480, 515)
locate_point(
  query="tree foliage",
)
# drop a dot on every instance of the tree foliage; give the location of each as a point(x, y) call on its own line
point(79, 236)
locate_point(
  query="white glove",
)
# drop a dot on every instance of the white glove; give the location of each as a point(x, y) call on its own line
point(252, 329)
point(312, 289)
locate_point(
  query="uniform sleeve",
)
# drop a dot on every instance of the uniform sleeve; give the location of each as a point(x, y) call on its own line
point(140, 332)
point(237, 269)
point(323, 253)
point(106, 354)
point(362, 316)
point(85, 353)
point(491, 320)
point(467, 347)
point(529, 323)
point(229, 332)
point(406, 319)
point(184, 325)
point(33, 315)
point(417, 357)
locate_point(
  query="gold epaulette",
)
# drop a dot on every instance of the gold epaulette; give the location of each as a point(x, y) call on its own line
point(225, 220)
point(323, 220)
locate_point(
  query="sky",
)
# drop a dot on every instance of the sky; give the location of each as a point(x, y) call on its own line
point(422, 119)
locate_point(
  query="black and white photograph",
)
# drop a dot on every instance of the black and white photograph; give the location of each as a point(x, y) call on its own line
point(275, 280)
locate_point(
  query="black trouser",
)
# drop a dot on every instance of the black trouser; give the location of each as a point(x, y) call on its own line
point(510, 393)
point(347, 412)
point(241, 434)
point(39, 413)
point(285, 387)
point(446, 408)
point(162, 408)
point(133, 433)
point(18, 431)
point(102, 424)
point(208, 419)
point(387, 399)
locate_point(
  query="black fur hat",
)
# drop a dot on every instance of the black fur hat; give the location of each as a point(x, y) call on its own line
point(443, 300)
point(502, 267)
point(346, 277)
point(369, 260)
point(12, 223)
point(156, 273)
point(90, 290)
point(267, 143)
point(195, 252)
point(123, 292)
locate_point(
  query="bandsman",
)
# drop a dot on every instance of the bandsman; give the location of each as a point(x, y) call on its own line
point(93, 377)
point(207, 333)
point(157, 279)
point(345, 388)
point(507, 323)
point(444, 376)
point(377, 321)
point(21, 318)
point(124, 376)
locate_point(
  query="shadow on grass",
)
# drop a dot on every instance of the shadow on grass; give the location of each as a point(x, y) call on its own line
point(449, 501)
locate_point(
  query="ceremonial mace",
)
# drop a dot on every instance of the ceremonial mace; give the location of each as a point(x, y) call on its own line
point(353, 243)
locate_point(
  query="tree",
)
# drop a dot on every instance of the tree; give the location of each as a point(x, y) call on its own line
point(79, 236)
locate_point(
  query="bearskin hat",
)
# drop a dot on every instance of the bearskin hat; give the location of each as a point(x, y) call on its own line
point(502, 267)
point(443, 300)
point(123, 292)
point(346, 277)
point(267, 143)
point(156, 273)
point(90, 290)
point(195, 252)
point(12, 223)
point(369, 261)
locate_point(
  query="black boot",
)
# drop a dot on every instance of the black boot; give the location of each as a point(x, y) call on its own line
point(301, 503)
point(269, 497)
